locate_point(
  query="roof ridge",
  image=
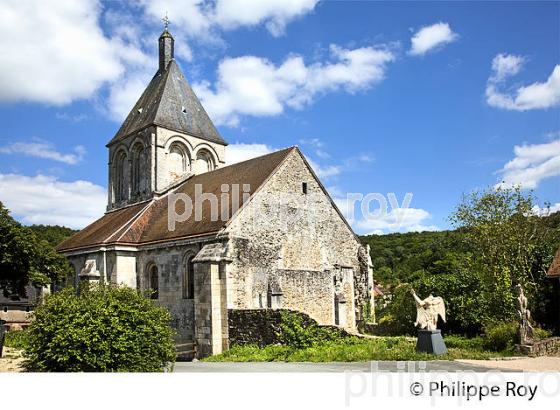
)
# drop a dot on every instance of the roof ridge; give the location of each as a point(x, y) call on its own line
point(255, 158)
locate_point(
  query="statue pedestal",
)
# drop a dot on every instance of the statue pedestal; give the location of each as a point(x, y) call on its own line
point(430, 341)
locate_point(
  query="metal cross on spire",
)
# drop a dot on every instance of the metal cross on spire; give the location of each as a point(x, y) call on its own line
point(165, 22)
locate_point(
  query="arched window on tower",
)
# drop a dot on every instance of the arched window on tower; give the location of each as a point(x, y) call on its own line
point(205, 161)
point(154, 282)
point(188, 278)
point(138, 169)
point(121, 177)
point(179, 163)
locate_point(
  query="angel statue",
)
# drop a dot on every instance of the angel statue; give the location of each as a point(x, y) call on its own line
point(428, 310)
point(526, 331)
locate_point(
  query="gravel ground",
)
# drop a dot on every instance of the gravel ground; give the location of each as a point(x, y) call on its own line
point(11, 360)
point(528, 364)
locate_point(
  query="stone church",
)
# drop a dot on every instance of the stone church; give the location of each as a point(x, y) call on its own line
point(204, 239)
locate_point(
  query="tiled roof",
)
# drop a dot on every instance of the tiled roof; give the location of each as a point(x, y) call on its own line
point(554, 270)
point(148, 222)
point(170, 102)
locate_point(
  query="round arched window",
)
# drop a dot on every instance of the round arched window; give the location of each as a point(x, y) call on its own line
point(205, 161)
point(178, 163)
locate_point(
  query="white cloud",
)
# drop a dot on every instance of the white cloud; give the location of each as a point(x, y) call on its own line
point(254, 86)
point(124, 93)
point(324, 171)
point(201, 18)
point(275, 14)
point(534, 96)
point(54, 53)
point(546, 210)
point(505, 65)
point(397, 220)
point(241, 152)
point(430, 38)
point(532, 164)
point(46, 200)
point(389, 217)
point(44, 150)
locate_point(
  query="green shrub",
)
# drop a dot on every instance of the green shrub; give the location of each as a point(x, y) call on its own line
point(398, 315)
point(105, 328)
point(460, 342)
point(500, 336)
point(299, 335)
point(542, 333)
point(16, 339)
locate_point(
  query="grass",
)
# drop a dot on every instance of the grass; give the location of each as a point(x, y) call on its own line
point(15, 339)
point(354, 349)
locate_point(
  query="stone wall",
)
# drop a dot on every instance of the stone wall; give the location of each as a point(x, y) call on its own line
point(260, 327)
point(545, 347)
point(171, 264)
point(300, 244)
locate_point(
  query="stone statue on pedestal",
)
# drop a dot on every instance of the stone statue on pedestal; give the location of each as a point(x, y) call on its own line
point(526, 331)
point(428, 310)
point(427, 313)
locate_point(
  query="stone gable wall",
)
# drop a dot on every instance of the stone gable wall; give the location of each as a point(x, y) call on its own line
point(301, 245)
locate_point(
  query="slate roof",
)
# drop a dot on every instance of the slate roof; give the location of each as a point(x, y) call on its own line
point(554, 270)
point(170, 102)
point(147, 222)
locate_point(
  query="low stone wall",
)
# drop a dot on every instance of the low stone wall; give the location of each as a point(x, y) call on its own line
point(545, 347)
point(261, 327)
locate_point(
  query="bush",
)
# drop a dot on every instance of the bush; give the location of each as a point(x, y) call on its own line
point(397, 317)
point(299, 335)
point(542, 333)
point(104, 329)
point(500, 336)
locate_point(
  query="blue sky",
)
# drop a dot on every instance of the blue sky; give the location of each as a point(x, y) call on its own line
point(430, 98)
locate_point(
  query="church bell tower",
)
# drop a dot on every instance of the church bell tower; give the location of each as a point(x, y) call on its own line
point(166, 138)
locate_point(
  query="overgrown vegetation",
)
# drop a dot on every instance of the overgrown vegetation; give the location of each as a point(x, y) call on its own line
point(103, 329)
point(308, 342)
point(352, 348)
point(297, 335)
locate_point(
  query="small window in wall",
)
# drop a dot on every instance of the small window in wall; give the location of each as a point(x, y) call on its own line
point(5, 309)
point(188, 278)
point(154, 283)
point(304, 188)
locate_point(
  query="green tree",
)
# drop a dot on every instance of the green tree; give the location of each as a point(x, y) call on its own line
point(25, 259)
point(505, 238)
point(103, 329)
point(53, 234)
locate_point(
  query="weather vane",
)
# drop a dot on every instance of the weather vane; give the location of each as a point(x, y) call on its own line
point(165, 21)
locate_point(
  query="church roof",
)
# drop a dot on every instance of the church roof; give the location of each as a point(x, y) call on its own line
point(170, 102)
point(147, 222)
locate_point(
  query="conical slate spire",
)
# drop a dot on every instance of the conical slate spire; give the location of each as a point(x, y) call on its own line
point(169, 102)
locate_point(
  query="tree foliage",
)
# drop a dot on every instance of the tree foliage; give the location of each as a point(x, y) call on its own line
point(497, 236)
point(53, 234)
point(24, 258)
point(103, 329)
point(510, 246)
